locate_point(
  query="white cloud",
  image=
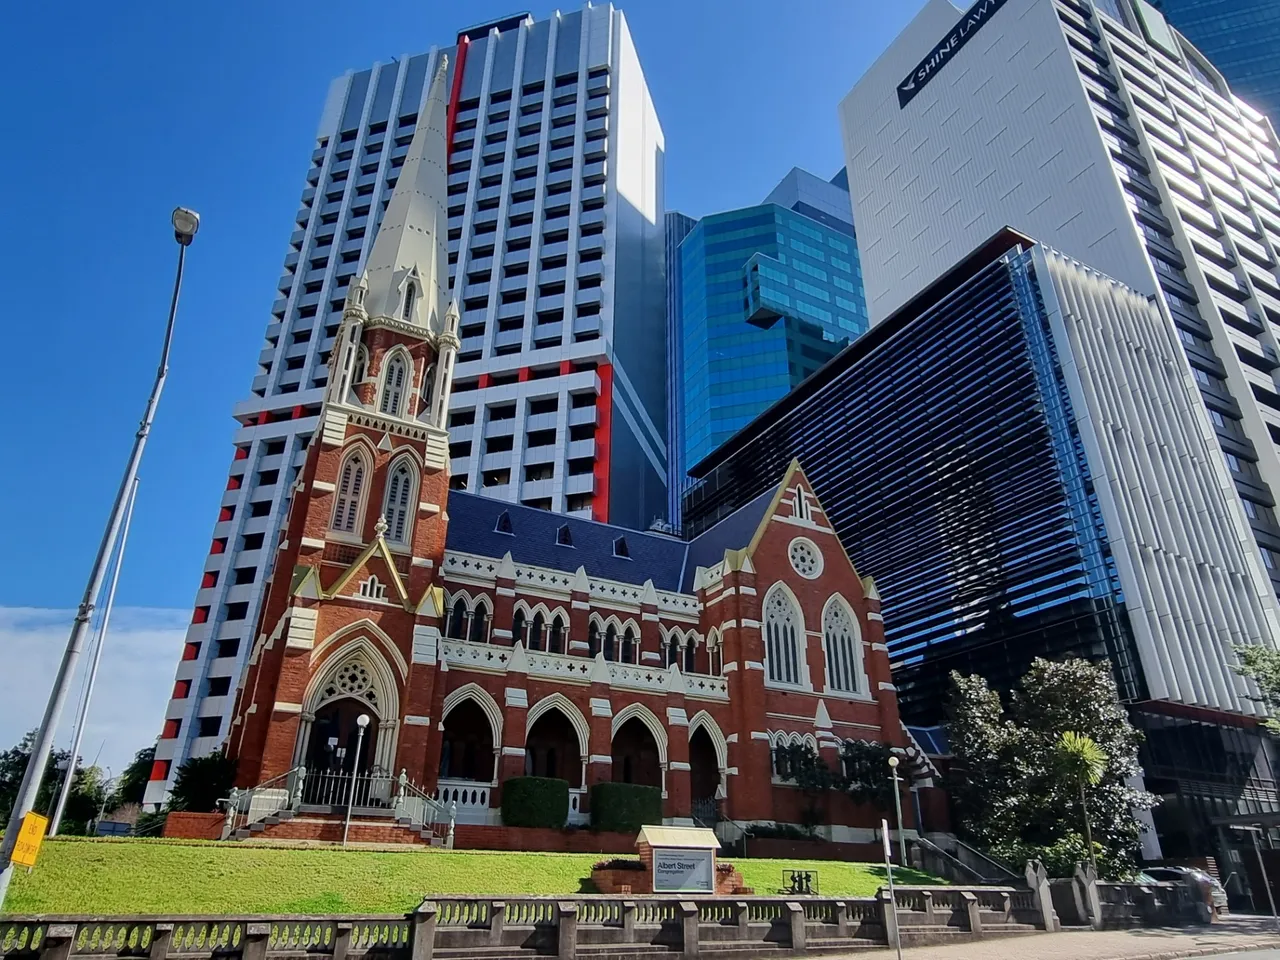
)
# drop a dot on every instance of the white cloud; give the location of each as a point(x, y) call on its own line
point(132, 689)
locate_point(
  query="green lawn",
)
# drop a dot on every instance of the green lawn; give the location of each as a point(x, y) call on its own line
point(140, 876)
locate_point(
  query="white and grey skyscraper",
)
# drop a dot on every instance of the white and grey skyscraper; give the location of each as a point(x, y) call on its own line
point(556, 260)
point(1095, 128)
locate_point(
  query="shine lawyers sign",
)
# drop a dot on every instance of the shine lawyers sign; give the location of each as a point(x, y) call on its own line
point(973, 21)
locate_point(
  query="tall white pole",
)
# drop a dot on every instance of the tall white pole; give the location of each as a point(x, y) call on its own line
point(68, 781)
point(185, 224)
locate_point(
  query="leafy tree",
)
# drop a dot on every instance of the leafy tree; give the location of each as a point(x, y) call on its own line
point(865, 776)
point(132, 784)
point(201, 782)
point(1262, 665)
point(814, 778)
point(1010, 783)
point(86, 790)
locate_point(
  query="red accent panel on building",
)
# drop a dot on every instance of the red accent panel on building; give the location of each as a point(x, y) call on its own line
point(191, 651)
point(160, 770)
point(234, 481)
point(484, 380)
point(566, 367)
point(181, 689)
point(200, 616)
point(226, 513)
point(210, 579)
point(218, 546)
point(525, 374)
point(464, 44)
point(171, 728)
point(242, 453)
point(298, 412)
point(264, 417)
point(604, 434)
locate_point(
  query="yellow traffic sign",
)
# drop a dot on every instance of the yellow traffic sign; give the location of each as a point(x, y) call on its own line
point(29, 838)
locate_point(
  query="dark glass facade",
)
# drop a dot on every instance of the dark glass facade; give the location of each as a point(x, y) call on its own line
point(943, 448)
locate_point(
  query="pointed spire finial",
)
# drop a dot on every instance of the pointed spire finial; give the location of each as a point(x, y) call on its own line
point(381, 527)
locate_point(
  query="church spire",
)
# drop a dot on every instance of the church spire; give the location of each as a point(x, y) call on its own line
point(408, 269)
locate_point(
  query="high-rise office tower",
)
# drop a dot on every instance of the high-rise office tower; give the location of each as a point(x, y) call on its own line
point(1099, 130)
point(1061, 119)
point(678, 227)
point(1018, 456)
point(1240, 38)
point(768, 293)
point(556, 259)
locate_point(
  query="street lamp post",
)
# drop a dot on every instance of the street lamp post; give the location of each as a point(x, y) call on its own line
point(362, 721)
point(897, 806)
point(185, 224)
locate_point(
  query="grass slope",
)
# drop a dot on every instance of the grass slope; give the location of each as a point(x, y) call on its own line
point(108, 877)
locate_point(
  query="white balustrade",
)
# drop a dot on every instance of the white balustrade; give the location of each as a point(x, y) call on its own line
point(472, 798)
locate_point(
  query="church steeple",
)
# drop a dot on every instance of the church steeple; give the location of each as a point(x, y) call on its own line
point(407, 272)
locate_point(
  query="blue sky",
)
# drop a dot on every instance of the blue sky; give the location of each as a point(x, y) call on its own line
point(118, 112)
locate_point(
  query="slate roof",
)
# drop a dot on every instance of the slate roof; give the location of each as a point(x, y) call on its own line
point(532, 541)
point(731, 533)
point(666, 560)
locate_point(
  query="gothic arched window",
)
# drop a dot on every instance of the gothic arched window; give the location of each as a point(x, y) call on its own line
point(346, 504)
point(428, 387)
point(398, 498)
point(690, 655)
point(517, 628)
point(361, 368)
point(410, 291)
point(673, 650)
point(593, 639)
point(783, 635)
point(610, 642)
point(479, 632)
point(840, 640)
point(535, 632)
point(629, 653)
point(555, 640)
point(393, 386)
point(457, 626)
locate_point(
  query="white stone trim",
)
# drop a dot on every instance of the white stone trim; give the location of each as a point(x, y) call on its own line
point(729, 667)
point(283, 706)
point(872, 615)
point(759, 735)
point(516, 697)
point(880, 647)
point(755, 665)
point(413, 720)
point(887, 686)
point(680, 765)
point(513, 751)
point(600, 758)
point(426, 644)
point(311, 543)
point(677, 717)
point(600, 707)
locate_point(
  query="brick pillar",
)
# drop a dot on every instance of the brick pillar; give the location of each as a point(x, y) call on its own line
point(417, 717)
point(579, 613)
point(515, 710)
point(600, 719)
point(750, 795)
point(679, 802)
point(650, 630)
point(504, 601)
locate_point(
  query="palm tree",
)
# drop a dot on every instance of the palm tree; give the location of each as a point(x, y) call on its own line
point(1082, 759)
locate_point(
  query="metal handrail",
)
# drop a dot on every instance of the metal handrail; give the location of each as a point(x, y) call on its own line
point(413, 804)
point(245, 807)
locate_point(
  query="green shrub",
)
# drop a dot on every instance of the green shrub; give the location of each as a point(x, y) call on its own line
point(624, 807)
point(535, 802)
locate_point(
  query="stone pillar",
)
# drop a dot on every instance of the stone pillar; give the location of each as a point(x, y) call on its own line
point(504, 601)
point(689, 927)
point(579, 614)
point(651, 653)
point(57, 942)
point(751, 797)
point(796, 914)
point(256, 937)
point(600, 719)
point(1038, 881)
point(567, 932)
point(422, 931)
point(974, 910)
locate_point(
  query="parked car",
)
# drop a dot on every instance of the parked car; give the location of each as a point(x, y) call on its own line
point(1214, 893)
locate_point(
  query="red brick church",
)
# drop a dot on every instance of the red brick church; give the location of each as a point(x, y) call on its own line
point(485, 640)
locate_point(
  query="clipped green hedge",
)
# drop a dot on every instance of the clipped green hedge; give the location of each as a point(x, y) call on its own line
point(625, 807)
point(535, 802)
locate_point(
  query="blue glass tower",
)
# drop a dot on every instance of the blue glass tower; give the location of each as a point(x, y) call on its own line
point(1240, 37)
point(768, 294)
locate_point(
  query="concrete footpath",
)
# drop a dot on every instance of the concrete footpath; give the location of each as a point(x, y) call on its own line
point(1230, 935)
